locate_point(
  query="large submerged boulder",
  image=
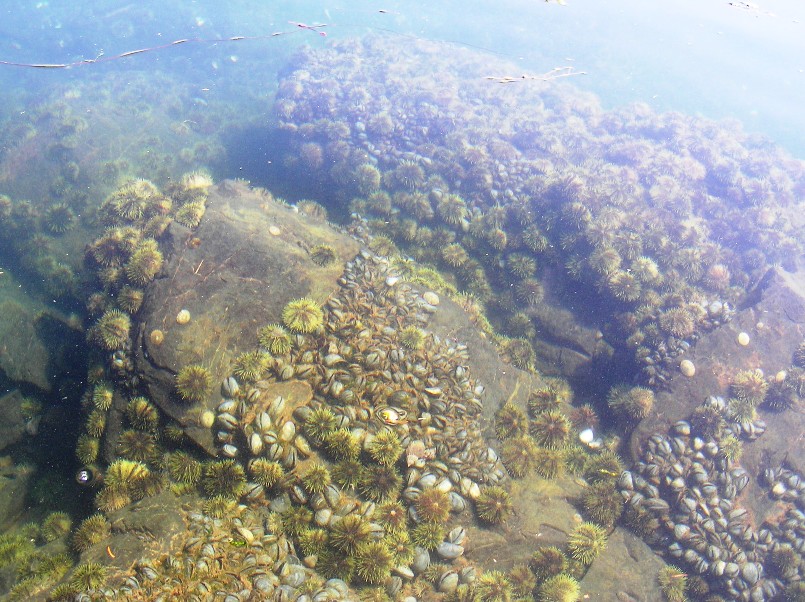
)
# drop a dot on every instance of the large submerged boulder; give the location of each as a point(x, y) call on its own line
point(249, 257)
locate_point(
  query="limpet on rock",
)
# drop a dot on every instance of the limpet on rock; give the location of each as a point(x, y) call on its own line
point(687, 368)
point(743, 339)
point(183, 317)
point(207, 419)
point(156, 337)
point(274, 230)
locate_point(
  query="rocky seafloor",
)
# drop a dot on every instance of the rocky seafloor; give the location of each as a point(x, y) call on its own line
point(385, 416)
point(275, 407)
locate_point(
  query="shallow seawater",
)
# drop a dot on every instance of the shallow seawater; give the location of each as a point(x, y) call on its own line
point(402, 301)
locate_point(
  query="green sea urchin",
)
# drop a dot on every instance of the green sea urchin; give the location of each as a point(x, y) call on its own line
point(251, 365)
point(548, 463)
point(145, 263)
point(632, 403)
point(510, 421)
point(275, 339)
point(518, 454)
point(379, 483)
point(316, 478)
point(194, 383)
point(303, 315)
point(223, 477)
point(602, 503)
point(55, 526)
point(428, 535)
point(137, 445)
point(385, 447)
point(412, 337)
point(350, 532)
point(86, 449)
point(677, 322)
point(112, 329)
point(266, 472)
point(673, 582)
point(88, 576)
point(433, 505)
point(91, 531)
point(750, 386)
point(547, 562)
point(559, 588)
point(142, 414)
point(319, 423)
point(493, 586)
point(183, 468)
point(586, 542)
point(550, 429)
point(322, 255)
point(494, 505)
point(373, 562)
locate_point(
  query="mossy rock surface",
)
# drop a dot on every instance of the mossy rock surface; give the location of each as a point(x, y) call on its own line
point(247, 259)
point(542, 516)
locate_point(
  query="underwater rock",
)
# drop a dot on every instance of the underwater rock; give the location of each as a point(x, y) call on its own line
point(234, 281)
point(25, 355)
point(14, 426)
point(623, 567)
point(525, 530)
point(775, 321)
point(15, 481)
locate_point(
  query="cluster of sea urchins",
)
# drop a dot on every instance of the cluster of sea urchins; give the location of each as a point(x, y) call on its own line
point(124, 260)
point(682, 497)
point(517, 182)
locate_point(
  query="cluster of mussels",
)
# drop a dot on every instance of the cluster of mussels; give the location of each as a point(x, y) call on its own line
point(535, 187)
point(389, 448)
point(236, 555)
point(682, 497)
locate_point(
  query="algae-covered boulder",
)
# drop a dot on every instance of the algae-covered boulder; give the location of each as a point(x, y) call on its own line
point(249, 257)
